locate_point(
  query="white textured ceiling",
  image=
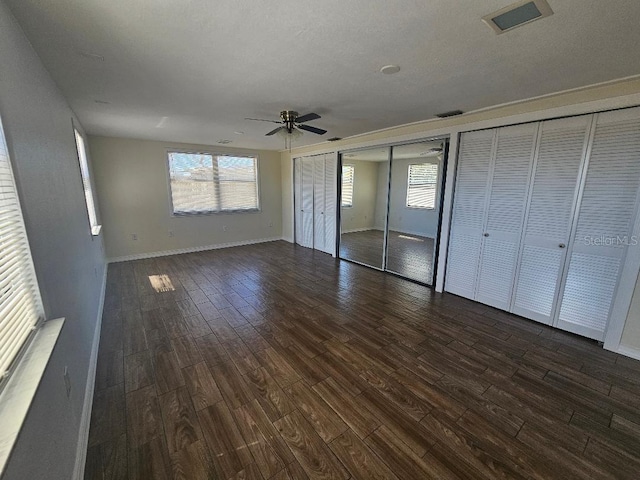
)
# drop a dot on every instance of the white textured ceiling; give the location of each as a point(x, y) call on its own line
point(205, 65)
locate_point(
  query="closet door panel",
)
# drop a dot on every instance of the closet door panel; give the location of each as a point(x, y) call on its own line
point(605, 218)
point(467, 223)
point(555, 183)
point(330, 195)
point(297, 178)
point(307, 202)
point(318, 202)
point(501, 239)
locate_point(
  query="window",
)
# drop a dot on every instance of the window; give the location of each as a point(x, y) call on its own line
point(20, 304)
point(347, 185)
point(422, 184)
point(206, 183)
point(86, 183)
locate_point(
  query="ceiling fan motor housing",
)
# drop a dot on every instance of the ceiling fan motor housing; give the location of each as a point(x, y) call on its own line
point(289, 117)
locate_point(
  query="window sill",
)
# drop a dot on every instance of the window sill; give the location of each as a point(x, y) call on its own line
point(419, 208)
point(221, 212)
point(18, 393)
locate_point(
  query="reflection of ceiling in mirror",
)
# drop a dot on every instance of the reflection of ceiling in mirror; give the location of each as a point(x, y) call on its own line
point(412, 150)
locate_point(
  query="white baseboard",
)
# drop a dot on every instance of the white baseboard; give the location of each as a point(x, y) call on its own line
point(287, 239)
point(629, 352)
point(355, 230)
point(165, 253)
point(85, 420)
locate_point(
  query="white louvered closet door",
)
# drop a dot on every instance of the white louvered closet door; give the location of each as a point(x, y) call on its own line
point(330, 196)
point(307, 202)
point(606, 213)
point(474, 159)
point(297, 198)
point(318, 202)
point(510, 174)
point(561, 149)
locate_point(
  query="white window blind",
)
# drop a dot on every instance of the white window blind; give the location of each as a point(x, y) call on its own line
point(86, 183)
point(422, 184)
point(20, 303)
point(347, 185)
point(206, 183)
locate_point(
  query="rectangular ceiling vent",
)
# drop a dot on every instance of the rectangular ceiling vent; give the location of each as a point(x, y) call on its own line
point(452, 113)
point(517, 14)
point(333, 139)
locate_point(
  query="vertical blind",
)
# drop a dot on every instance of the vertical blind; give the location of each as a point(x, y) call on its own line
point(206, 183)
point(421, 185)
point(20, 304)
point(347, 185)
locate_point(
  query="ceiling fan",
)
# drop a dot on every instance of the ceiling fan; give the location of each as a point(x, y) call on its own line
point(291, 122)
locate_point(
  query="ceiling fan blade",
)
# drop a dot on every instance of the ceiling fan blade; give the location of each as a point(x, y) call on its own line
point(273, 132)
point(308, 117)
point(261, 120)
point(311, 129)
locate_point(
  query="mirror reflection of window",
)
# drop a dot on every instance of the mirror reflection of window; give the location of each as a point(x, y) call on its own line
point(422, 184)
point(347, 185)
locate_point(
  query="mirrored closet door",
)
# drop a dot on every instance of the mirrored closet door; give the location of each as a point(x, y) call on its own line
point(390, 207)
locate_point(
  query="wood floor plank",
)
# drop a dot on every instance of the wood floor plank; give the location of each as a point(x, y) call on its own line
point(324, 420)
point(167, 370)
point(114, 458)
point(149, 461)
point(402, 460)
point(110, 369)
point(192, 462)
point(230, 453)
point(144, 421)
point(108, 415)
point(186, 351)
point(232, 384)
point(312, 453)
point(181, 424)
point(202, 387)
point(268, 393)
point(359, 459)
point(138, 371)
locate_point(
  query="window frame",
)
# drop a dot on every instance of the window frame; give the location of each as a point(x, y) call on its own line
point(83, 163)
point(435, 184)
point(172, 212)
point(353, 182)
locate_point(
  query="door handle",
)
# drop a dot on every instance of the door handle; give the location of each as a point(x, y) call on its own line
point(485, 234)
point(562, 245)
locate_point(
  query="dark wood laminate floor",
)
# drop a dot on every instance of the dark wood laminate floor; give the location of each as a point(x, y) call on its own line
point(274, 361)
point(408, 255)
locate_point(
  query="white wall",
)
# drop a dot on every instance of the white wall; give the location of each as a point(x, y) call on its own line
point(69, 262)
point(417, 221)
point(133, 192)
point(361, 215)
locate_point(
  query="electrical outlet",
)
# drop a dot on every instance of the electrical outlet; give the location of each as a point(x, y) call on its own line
point(171, 233)
point(67, 381)
point(134, 236)
point(224, 228)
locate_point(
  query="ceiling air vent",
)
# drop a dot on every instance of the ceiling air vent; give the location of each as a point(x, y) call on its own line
point(333, 139)
point(452, 113)
point(517, 14)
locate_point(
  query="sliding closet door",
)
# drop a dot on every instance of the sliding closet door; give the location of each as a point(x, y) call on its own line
point(330, 196)
point(318, 202)
point(306, 211)
point(604, 222)
point(297, 198)
point(561, 149)
point(508, 193)
point(471, 191)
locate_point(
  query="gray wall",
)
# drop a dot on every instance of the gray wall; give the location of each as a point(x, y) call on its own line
point(69, 262)
point(133, 191)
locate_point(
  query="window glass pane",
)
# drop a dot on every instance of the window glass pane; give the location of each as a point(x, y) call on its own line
point(422, 185)
point(205, 183)
point(86, 182)
point(238, 186)
point(347, 185)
